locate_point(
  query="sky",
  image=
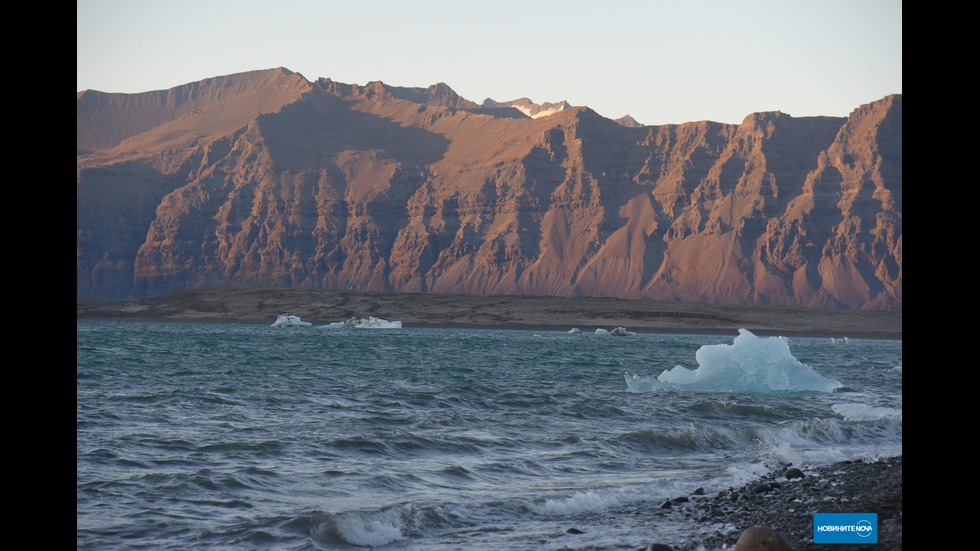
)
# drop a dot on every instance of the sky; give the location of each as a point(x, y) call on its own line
point(661, 62)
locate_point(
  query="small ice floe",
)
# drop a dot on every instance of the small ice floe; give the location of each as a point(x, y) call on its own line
point(289, 320)
point(574, 330)
point(619, 332)
point(372, 322)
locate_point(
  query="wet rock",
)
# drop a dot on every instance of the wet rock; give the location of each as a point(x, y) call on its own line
point(793, 473)
point(761, 538)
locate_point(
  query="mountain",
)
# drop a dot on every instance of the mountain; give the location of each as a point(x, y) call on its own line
point(264, 179)
point(628, 121)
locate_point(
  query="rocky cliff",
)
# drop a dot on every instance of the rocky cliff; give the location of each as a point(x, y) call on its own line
point(264, 179)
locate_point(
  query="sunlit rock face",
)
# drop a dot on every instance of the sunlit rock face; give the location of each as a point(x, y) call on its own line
point(264, 179)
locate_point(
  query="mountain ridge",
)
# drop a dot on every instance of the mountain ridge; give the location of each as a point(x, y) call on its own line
point(266, 179)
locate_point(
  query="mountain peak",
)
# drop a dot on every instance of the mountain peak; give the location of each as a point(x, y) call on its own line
point(437, 94)
point(628, 122)
point(221, 104)
point(528, 107)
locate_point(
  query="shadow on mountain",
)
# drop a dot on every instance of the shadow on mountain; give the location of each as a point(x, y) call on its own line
point(309, 134)
point(500, 112)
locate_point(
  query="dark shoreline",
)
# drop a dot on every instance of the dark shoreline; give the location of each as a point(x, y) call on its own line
point(261, 306)
point(786, 502)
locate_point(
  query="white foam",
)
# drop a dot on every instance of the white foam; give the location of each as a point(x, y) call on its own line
point(369, 530)
point(580, 502)
point(864, 412)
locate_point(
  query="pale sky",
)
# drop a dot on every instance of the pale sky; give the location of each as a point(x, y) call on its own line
point(662, 62)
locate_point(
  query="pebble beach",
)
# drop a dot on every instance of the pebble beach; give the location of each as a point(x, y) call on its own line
point(784, 502)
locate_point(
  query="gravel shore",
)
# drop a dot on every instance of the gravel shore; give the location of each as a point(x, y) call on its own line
point(785, 502)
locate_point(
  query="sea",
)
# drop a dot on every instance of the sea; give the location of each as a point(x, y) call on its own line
point(249, 436)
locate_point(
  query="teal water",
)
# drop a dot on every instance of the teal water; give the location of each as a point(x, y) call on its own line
point(239, 436)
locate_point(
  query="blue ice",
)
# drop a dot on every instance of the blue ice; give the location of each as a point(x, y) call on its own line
point(749, 364)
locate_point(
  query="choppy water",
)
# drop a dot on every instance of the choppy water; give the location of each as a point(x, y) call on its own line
point(231, 436)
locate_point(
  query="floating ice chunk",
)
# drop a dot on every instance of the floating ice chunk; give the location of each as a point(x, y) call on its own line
point(749, 364)
point(680, 376)
point(619, 331)
point(332, 325)
point(372, 322)
point(288, 320)
point(637, 383)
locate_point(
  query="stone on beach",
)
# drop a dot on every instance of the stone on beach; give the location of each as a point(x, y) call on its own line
point(761, 538)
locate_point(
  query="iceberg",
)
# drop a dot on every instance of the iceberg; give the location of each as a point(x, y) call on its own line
point(750, 364)
point(288, 320)
point(372, 322)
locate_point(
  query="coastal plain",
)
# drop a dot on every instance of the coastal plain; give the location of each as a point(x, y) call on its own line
point(230, 305)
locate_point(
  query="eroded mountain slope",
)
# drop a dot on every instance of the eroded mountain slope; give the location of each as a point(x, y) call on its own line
point(326, 185)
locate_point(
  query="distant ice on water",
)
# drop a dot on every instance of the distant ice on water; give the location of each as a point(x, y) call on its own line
point(372, 322)
point(369, 322)
point(289, 320)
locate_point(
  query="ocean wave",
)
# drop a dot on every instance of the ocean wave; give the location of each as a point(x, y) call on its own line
point(577, 503)
point(368, 529)
point(865, 412)
point(440, 439)
point(384, 526)
point(688, 437)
